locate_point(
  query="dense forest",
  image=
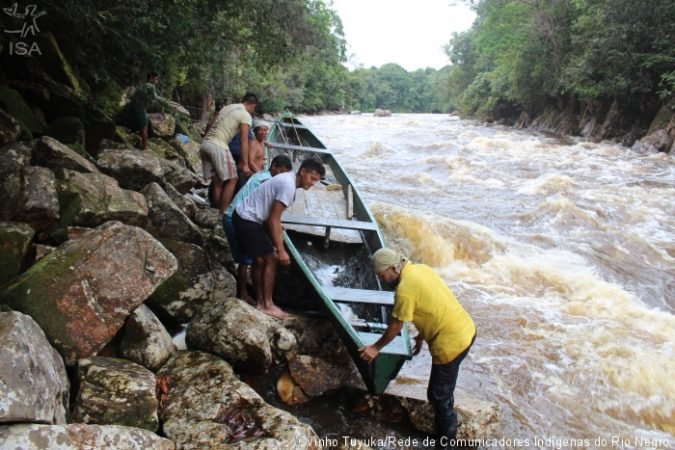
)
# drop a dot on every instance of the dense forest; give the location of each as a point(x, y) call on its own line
point(522, 61)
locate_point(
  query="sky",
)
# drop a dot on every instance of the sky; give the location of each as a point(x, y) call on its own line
point(411, 33)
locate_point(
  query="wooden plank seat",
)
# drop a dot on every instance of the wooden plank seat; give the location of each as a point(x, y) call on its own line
point(398, 346)
point(296, 147)
point(293, 125)
point(349, 295)
point(328, 222)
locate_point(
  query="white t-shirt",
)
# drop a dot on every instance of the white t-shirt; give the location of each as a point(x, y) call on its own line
point(227, 124)
point(256, 207)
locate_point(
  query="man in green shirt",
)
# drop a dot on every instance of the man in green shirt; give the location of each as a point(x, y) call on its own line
point(423, 298)
point(145, 96)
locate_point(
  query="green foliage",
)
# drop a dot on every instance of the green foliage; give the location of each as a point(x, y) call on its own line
point(526, 54)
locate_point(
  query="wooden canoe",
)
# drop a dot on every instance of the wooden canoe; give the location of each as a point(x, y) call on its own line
point(331, 235)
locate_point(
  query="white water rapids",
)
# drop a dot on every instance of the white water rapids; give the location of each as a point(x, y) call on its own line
point(563, 252)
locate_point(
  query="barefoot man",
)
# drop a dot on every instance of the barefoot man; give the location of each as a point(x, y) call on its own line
point(280, 164)
point(257, 221)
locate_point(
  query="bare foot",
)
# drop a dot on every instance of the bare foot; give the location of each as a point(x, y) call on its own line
point(274, 311)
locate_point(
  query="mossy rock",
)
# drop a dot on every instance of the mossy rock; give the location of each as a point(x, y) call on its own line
point(56, 64)
point(13, 103)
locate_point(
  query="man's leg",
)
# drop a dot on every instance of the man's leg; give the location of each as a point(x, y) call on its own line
point(441, 395)
point(226, 194)
point(144, 137)
point(256, 277)
point(268, 275)
point(242, 279)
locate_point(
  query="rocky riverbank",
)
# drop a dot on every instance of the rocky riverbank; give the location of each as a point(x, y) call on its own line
point(103, 248)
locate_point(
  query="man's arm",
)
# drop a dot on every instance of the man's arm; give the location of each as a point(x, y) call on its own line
point(274, 224)
point(369, 352)
point(245, 153)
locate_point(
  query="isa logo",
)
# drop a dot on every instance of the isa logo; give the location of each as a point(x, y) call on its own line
point(23, 27)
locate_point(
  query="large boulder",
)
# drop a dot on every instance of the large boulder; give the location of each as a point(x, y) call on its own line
point(181, 178)
point(116, 392)
point(15, 239)
point(478, 419)
point(14, 157)
point(247, 338)
point(166, 219)
point(658, 141)
point(34, 386)
point(163, 124)
point(49, 152)
point(145, 340)
point(78, 437)
point(381, 113)
point(30, 196)
point(206, 406)
point(133, 169)
point(90, 199)
point(82, 293)
point(195, 282)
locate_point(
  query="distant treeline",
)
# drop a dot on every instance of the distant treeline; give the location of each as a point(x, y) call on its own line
point(520, 55)
point(526, 55)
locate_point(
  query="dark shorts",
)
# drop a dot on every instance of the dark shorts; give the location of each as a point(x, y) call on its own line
point(253, 239)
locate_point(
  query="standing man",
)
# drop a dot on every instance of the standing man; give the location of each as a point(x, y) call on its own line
point(217, 162)
point(257, 221)
point(256, 150)
point(145, 96)
point(423, 298)
point(280, 164)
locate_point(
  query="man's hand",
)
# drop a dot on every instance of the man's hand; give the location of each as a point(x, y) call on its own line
point(245, 169)
point(369, 352)
point(418, 344)
point(283, 257)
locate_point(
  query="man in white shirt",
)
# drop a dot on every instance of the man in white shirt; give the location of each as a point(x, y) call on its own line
point(217, 162)
point(265, 243)
point(280, 164)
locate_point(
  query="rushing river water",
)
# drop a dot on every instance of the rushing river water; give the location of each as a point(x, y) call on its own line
point(563, 252)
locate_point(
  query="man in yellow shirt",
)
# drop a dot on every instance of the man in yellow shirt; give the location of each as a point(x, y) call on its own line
point(423, 298)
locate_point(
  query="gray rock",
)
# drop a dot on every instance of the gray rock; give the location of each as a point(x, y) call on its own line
point(145, 340)
point(79, 437)
point(163, 124)
point(34, 386)
point(15, 239)
point(82, 293)
point(247, 338)
point(14, 157)
point(658, 141)
point(316, 376)
point(133, 169)
point(197, 280)
point(381, 113)
point(478, 419)
point(183, 201)
point(116, 392)
point(49, 152)
point(90, 199)
point(178, 176)
point(166, 219)
point(30, 196)
point(206, 406)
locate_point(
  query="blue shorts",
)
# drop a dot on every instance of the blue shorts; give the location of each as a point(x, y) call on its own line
point(231, 234)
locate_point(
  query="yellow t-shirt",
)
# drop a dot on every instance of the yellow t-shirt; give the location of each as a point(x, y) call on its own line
point(424, 299)
point(226, 125)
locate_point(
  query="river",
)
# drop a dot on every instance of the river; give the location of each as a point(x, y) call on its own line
point(561, 249)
